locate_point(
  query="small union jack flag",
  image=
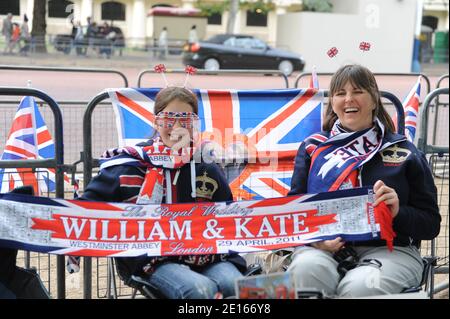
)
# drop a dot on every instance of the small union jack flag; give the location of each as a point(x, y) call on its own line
point(190, 70)
point(364, 46)
point(332, 52)
point(160, 68)
point(411, 107)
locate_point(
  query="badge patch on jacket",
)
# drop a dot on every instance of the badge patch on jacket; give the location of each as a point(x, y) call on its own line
point(206, 186)
point(394, 155)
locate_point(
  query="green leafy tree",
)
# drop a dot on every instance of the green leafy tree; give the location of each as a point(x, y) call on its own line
point(260, 5)
point(317, 5)
point(210, 8)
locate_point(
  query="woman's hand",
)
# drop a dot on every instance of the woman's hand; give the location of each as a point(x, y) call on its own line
point(387, 195)
point(331, 246)
point(182, 138)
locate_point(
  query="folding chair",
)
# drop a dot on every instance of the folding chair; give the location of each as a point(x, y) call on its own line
point(426, 284)
point(139, 284)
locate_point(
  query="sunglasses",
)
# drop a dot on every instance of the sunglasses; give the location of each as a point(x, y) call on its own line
point(187, 120)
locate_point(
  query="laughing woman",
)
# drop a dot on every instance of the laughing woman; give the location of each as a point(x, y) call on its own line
point(357, 128)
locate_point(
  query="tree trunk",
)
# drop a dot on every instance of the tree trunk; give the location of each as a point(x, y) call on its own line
point(39, 25)
point(234, 8)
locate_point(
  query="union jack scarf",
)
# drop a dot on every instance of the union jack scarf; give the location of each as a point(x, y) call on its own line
point(156, 158)
point(336, 159)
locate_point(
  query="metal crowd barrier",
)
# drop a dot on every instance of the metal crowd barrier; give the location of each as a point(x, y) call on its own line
point(60, 69)
point(439, 162)
point(71, 111)
point(63, 69)
point(218, 72)
point(438, 104)
point(427, 80)
point(57, 162)
point(440, 80)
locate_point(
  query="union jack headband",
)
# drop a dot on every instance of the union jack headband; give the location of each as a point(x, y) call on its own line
point(364, 46)
point(189, 70)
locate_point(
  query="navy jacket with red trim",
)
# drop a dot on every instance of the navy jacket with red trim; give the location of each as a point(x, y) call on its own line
point(122, 183)
point(403, 168)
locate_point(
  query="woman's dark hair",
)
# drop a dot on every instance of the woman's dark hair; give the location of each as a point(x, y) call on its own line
point(362, 78)
point(169, 94)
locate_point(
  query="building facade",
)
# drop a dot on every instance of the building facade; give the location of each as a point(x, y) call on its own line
point(131, 15)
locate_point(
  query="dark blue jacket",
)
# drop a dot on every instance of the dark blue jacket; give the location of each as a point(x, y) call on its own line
point(404, 169)
point(112, 185)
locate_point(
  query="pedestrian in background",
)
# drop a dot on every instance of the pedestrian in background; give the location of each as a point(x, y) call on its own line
point(193, 37)
point(25, 36)
point(15, 37)
point(163, 43)
point(7, 31)
point(79, 41)
point(91, 35)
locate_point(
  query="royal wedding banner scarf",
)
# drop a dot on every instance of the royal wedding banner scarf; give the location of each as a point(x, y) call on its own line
point(87, 228)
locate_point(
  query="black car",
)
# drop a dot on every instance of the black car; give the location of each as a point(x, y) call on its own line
point(231, 51)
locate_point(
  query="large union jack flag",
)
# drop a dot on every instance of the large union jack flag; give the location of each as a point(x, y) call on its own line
point(258, 181)
point(411, 109)
point(267, 124)
point(29, 138)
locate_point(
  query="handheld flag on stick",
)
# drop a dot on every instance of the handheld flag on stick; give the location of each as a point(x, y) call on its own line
point(314, 81)
point(411, 109)
point(29, 138)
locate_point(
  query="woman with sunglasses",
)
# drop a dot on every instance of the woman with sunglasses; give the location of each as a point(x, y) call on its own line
point(143, 175)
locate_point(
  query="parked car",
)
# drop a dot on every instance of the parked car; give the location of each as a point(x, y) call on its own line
point(231, 51)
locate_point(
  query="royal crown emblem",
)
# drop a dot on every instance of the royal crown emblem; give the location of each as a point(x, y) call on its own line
point(395, 154)
point(208, 186)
